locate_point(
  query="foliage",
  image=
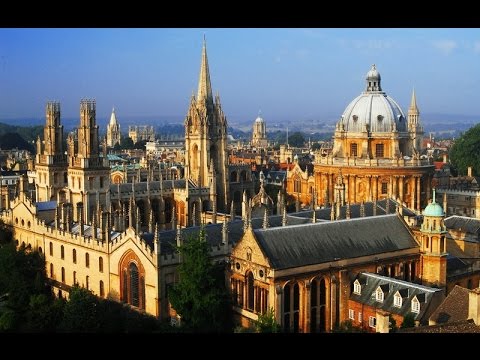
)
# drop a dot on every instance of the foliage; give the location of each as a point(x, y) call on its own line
point(27, 134)
point(296, 139)
point(392, 324)
point(465, 150)
point(201, 297)
point(140, 144)
point(126, 143)
point(408, 321)
point(316, 146)
point(80, 313)
point(347, 327)
point(14, 140)
point(266, 323)
point(6, 233)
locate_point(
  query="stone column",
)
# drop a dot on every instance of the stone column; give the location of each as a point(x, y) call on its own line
point(412, 193)
point(369, 186)
point(375, 187)
point(390, 187)
point(278, 305)
point(394, 190)
point(307, 307)
point(347, 189)
point(333, 302)
point(429, 190)
point(401, 188)
point(330, 188)
point(354, 188)
point(419, 209)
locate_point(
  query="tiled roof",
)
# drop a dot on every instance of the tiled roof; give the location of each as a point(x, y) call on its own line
point(454, 308)
point(306, 244)
point(428, 296)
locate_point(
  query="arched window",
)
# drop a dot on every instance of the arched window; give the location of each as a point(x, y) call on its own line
point(100, 264)
point(297, 185)
point(250, 291)
point(74, 256)
point(86, 282)
point(62, 252)
point(51, 249)
point(87, 260)
point(102, 289)
point(317, 306)
point(134, 284)
point(51, 271)
point(353, 149)
point(74, 277)
point(40, 250)
point(63, 274)
point(291, 307)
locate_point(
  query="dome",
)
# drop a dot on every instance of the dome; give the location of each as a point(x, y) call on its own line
point(373, 74)
point(373, 108)
point(433, 209)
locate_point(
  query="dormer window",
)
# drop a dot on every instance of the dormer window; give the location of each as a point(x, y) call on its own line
point(397, 300)
point(357, 288)
point(415, 305)
point(379, 294)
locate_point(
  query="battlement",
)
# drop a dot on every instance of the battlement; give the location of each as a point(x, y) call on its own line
point(87, 105)
point(53, 108)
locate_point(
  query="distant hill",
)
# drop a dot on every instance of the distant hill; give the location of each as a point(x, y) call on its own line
point(21, 137)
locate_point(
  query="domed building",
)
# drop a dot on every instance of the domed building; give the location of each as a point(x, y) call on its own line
point(259, 137)
point(377, 152)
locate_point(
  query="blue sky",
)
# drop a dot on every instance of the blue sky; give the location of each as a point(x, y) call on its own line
point(294, 74)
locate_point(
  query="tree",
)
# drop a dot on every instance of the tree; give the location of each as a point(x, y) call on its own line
point(316, 146)
point(408, 321)
point(80, 313)
point(266, 323)
point(126, 142)
point(6, 233)
point(296, 139)
point(465, 150)
point(200, 297)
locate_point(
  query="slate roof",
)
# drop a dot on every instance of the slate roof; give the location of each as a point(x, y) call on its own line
point(428, 296)
point(306, 244)
point(463, 223)
point(46, 205)
point(454, 308)
point(142, 186)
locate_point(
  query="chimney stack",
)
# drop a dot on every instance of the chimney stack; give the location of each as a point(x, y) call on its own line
point(474, 305)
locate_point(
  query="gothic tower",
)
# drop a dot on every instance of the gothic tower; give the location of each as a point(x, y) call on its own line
point(51, 162)
point(415, 129)
point(206, 139)
point(259, 134)
point(113, 130)
point(88, 172)
point(434, 245)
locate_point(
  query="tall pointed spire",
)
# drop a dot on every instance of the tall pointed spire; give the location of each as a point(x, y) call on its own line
point(413, 103)
point(204, 85)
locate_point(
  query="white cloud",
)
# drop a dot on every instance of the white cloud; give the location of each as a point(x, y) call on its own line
point(372, 44)
point(445, 46)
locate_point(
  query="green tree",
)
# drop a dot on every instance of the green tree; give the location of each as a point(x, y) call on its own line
point(392, 324)
point(200, 297)
point(465, 150)
point(316, 146)
point(296, 139)
point(126, 143)
point(80, 313)
point(6, 233)
point(266, 323)
point(408, 321)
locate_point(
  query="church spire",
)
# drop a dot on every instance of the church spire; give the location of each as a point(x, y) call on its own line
point(413, 104)
point(204, 85)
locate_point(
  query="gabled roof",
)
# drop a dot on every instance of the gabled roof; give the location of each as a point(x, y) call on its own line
point(407, 290)
point(454, 308)
point(308, 244)
point(463, 223)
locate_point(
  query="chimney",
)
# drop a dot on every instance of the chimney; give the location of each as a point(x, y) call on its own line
point(474, 305)
point(383, 322)
point(469, 171)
